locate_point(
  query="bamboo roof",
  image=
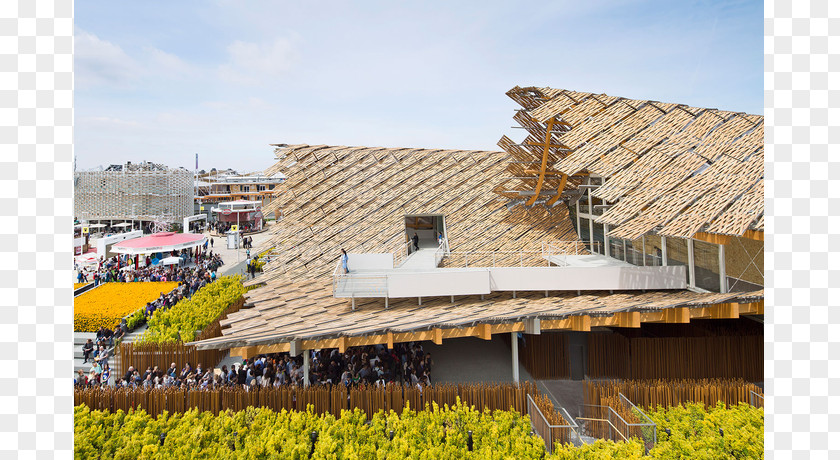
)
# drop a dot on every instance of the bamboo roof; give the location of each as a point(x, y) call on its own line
point(356, 198)
point(668, 168)
point(282, 312)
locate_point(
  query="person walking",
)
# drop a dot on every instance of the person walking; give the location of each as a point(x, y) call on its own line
point(211, 241)
point(416, 241)
point(344, 260)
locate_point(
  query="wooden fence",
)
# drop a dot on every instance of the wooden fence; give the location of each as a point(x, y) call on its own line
point(545, 356)
point(146, 355)
point(649, 394)
point(323, 399)
point(616, 356)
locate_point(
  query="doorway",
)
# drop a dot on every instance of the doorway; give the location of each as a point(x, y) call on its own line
point(427, 227)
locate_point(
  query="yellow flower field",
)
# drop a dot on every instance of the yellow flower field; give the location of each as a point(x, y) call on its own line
point(107, 304)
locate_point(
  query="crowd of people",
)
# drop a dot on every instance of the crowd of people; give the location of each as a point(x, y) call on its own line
point(190, 280)
point(111, 270)
point(405, 364)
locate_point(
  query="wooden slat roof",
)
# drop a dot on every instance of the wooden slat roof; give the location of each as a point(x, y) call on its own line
point(668, 168)
point(356, 198)
point(306, 310)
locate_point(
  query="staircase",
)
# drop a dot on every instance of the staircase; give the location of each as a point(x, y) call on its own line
point(79, 339)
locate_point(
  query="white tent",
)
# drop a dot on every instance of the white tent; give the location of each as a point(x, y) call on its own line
point(124, 224)
point(171, 261)
point(97, 225)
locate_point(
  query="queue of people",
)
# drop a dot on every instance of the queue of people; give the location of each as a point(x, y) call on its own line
point(405, 364)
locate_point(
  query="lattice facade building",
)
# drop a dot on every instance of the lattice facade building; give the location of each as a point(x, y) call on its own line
point(145, 191)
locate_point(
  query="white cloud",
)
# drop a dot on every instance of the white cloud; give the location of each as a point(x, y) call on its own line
point(103, 63)
point(252, 63)
point(100, 62)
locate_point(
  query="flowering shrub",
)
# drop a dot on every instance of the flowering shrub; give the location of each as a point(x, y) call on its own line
point(695, 433)
point(437, 433)
point(179, 323)
point(108, 303)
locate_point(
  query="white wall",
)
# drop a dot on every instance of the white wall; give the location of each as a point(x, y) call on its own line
point(586, 278)
point(439, 283)
point(104, 243)
point(370, 261)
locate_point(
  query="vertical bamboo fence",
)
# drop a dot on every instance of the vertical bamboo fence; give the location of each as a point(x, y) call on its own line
point(142, 356)
point(649, 394)
point(616, 356)
point(323, 399)
point(545, 356)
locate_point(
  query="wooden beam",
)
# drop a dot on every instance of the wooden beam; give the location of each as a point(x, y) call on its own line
point(629, 319)
point(559, 191)
point(713, 238)
point(438, 340)
point(726, 311)
point(753, 308)
point(484, 332)
point(544, 163)
point(342, 344)
point(390, 339)
point(581, 323)
point(754, 235)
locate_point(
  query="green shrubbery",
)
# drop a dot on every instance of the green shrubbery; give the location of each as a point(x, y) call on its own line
point(180, 322)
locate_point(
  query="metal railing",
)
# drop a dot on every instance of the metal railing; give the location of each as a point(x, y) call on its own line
point(606, 423)
point(552, 434)
point(756, 400)
point(442, 251)
point(401, 253)
point(549, 253)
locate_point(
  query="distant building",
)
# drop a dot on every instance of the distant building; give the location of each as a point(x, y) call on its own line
point(224, 186)
point(139, 192)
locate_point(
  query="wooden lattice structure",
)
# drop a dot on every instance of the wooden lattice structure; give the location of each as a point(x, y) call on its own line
point(142, 191)
point(356, 198)
point(669, 168)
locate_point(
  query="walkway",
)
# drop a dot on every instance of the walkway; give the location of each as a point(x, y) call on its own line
point(424, 258)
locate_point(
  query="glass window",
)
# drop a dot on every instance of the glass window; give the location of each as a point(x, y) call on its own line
point(616, 246)
point(596, 209)
point(584, 230)
point(635, 252)
point(598, 237)
point(653, 250)
point(678, 253)
point(706, 266)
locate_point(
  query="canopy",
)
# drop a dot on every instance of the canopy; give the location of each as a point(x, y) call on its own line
point(159, 242)
point(97, 225)
point(171, 261)
point(124, 224)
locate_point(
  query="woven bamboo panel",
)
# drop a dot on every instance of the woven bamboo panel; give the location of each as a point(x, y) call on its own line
point(598, 123)
point(738, 217)
point(648, 152)
point(355, 198)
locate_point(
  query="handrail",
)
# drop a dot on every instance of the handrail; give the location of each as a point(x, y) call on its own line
point(548, 437)
point(612, 413)
point(755, 398)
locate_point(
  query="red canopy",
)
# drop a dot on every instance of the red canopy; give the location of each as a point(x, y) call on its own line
point(159, 242)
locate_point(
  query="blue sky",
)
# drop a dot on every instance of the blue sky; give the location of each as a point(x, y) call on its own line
point(163, 80)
